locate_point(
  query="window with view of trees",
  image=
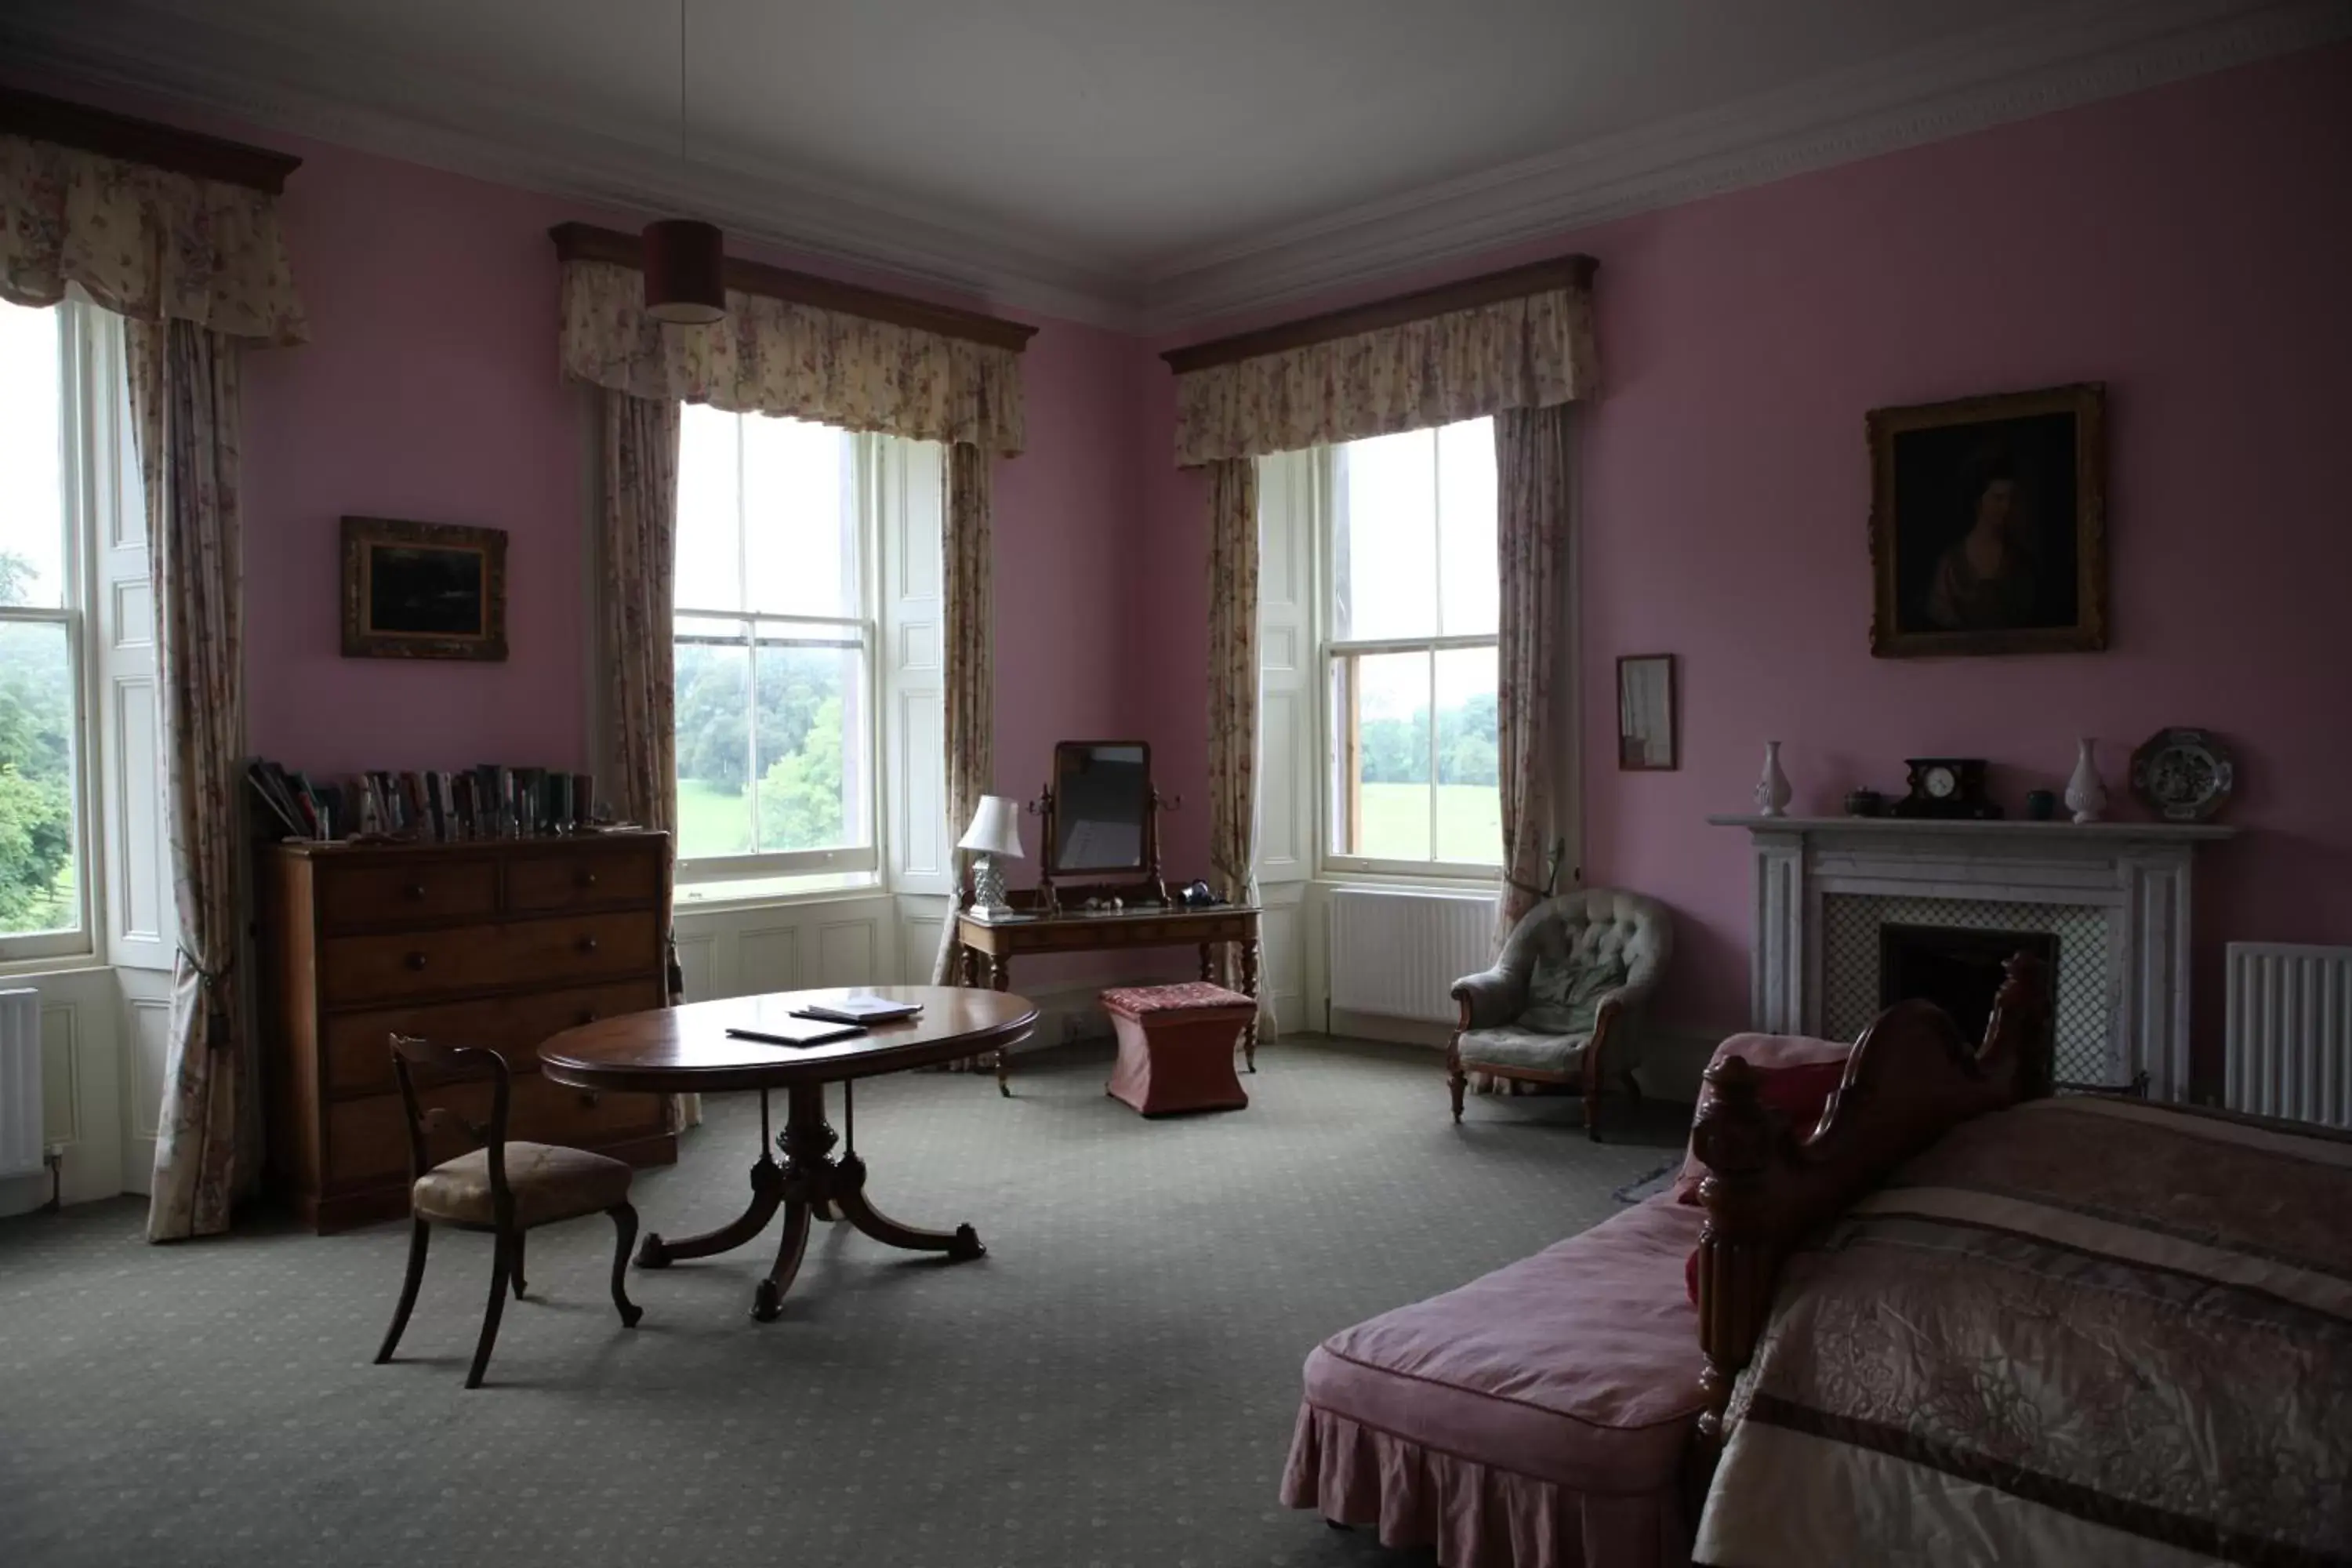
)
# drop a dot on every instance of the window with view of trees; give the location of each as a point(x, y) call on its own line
point(1410, 615)
point(775, 651)
point(41, 620)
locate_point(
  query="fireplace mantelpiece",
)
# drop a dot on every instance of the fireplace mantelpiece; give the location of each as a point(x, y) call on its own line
point(2135, 873)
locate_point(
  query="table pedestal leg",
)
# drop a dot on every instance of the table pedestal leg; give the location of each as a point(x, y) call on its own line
point(767, 1194)
point(813, 1183)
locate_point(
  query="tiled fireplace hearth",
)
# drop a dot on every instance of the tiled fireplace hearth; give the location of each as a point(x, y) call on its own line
point(2116, 896)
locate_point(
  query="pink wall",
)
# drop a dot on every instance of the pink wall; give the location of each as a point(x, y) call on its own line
point(429, 390)
point(2189, 246)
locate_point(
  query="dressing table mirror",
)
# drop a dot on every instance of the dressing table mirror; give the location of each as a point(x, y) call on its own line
point(1102, 818)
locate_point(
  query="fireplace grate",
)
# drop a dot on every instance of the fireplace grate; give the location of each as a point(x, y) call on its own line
point(2082, 1010)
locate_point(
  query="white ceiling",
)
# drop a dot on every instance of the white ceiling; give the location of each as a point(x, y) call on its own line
point(1125, 160)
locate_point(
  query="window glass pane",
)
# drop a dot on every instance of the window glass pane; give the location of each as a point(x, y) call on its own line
point(709, 495)
point(714, 747)
point(1469, 806)
point(1381, 704)
point(32, 484)
point(811, 741)
point(38, 890)
point(800, 519)
point(1384, 538)
point(1466, 530)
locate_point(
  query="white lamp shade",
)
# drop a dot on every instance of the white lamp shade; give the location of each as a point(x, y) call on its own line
point(996, 828)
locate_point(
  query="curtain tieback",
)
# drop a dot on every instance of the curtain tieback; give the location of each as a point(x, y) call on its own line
point(216, 997)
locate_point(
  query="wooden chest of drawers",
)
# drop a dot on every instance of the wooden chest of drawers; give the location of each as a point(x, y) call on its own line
point(501, 944)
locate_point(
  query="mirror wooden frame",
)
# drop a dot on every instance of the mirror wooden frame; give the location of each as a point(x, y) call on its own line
point(1047, 805)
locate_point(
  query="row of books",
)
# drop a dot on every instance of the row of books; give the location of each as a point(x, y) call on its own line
point(490, 801)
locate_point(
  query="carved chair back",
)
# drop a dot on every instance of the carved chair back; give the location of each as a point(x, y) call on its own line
point(423, 1066)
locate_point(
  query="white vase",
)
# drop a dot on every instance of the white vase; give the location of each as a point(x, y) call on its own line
point(2086, 796)
point(1772, 789)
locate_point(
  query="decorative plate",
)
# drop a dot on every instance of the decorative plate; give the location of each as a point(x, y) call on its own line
point(2183, 775)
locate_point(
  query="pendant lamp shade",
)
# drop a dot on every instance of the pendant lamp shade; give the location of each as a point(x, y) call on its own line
point(685, 267)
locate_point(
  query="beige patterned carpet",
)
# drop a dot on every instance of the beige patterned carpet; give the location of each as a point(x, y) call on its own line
point(1114, 1384)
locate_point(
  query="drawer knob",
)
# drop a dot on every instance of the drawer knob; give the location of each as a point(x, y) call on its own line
point(414, 890)
point(587, 1015)
point(415, 961)
point(587, 945)
point(587, 879)
point(588, 1097)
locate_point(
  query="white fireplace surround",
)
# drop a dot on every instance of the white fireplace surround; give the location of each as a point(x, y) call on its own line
point(2135, 873)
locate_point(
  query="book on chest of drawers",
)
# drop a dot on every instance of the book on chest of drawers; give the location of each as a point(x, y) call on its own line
point(499, 943)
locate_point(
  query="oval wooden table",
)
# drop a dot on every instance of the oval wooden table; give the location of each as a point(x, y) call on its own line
point(687, 1050)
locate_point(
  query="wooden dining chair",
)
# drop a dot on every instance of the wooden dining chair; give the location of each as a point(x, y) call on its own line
point(504, 1187)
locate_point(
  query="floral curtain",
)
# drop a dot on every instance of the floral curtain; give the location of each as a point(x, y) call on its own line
point(1233, 696)
point(1531, 351)
point(1532, 468)
point(144, 242)
point(184, 398)
point(639, 545)
point(772, 356)
point(970, 612)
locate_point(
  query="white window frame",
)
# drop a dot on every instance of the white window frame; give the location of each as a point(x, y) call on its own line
point(858, 861)
point(85, 422)
point(1328, 651)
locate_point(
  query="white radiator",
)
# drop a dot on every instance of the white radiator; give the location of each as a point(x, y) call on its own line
point(1397, 954)
point(20, 1082)
point(2288, 1048)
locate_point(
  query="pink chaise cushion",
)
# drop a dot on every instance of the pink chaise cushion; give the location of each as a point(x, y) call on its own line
point(1579, 1365)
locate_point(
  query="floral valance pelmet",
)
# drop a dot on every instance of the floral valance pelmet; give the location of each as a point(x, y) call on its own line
point(1529, 352)
point(144, 242)
point(777, 357)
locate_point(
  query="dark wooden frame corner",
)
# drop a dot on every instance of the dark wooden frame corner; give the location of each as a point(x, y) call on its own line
point(1674, 714)
point(362, 640)
point(2087, 402)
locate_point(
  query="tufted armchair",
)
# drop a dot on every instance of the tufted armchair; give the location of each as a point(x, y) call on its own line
point(1564, 1002)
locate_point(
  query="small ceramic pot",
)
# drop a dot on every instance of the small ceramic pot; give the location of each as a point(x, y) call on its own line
point(2041, 806)
point(1865, 803)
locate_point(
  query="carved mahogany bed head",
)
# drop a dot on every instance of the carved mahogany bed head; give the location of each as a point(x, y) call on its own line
point(1911, 1078)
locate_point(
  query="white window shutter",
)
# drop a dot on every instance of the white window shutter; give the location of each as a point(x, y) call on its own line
point(1288, 487)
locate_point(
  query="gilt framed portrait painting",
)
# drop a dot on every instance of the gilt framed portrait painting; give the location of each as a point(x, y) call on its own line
point(422, 590)
point(1987, 524)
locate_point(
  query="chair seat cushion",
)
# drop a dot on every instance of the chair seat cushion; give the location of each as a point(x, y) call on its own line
point(549, 1181)
point(1516, 1045)
point(1579, 1365)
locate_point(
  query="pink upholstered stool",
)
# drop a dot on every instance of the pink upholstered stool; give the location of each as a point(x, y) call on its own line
point(1176, 1047)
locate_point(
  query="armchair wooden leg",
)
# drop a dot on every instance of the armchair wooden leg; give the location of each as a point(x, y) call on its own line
point(625, 1221)
point(1592, 1111)
point(501, 1273)
point(419, 1234)
point(518, 1264)
point(1456, 1081)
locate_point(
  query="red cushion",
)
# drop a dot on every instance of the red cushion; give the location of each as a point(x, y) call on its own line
point(1139, 1001)
point(1799, 1094)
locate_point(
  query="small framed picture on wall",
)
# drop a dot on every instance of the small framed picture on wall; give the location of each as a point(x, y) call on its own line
point(422, 590)
point(1646, 739)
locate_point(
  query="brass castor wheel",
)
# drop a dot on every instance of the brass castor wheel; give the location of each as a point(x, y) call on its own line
point(967, 1245)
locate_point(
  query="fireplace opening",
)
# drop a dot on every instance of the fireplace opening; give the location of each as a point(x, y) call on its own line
point(1957, 970)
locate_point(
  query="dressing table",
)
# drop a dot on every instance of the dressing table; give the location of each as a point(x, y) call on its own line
point(1100, 887)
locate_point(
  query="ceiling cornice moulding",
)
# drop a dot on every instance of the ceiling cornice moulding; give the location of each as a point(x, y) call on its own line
point(494, 136)
point(2083, 54)
point(2073, 54)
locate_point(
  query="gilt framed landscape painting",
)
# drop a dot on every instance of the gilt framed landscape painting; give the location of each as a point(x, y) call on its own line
point(422, 590)
point(1987, 524)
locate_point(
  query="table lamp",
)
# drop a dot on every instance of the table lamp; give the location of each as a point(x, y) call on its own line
point(995, 830)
